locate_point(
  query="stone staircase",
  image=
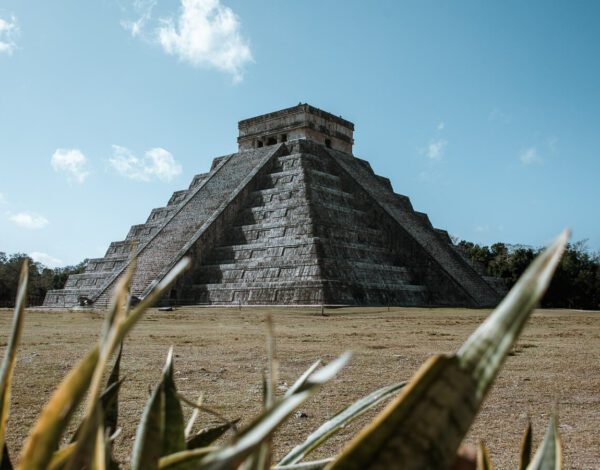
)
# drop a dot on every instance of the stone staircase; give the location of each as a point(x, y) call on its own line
point(301, 236)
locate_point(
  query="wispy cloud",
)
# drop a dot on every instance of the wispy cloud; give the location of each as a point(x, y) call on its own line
point(157, 163)
point(72, 162)
point(46, 259)
point(441, 126)
point(498, 115)
point(3, 199)
point(530, 156)
point(144, 9)
point(204, 33)
point(9, 30)
point(28, 220)
point(435, 149)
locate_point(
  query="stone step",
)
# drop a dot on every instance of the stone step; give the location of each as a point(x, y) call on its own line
point(291, 211)
point(274, 248)
point(291, 292)
point(259, 232)
point(87, 279)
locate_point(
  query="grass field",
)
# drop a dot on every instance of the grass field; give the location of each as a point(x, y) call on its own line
point(221, 353)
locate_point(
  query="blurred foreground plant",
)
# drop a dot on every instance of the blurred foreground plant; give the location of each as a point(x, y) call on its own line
point(422, 427)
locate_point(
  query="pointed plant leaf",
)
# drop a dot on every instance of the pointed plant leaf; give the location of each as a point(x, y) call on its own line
point(183, 460)
point(313, 465)
point(189, 427)
point(302, 379)
point(264, 425)
point(61, 456)
point(346, 416)
point(46, 433)
point(424, 426)
point(174, 428)
point(207, 436)
point(159, 290)
point(85, 446)
point(549, 454)
point(106, 400)
point(10, 355)
point(526, 446)
point(110, 400)
point(484, 462)
point(100, 453)
point(6, 464)
point(147, 447)
point(485, 350)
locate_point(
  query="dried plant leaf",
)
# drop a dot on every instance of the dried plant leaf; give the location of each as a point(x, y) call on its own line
point(183, 459)
point(549, 454)
point(61, 456)
point(425, 425)
point(189, 427)
point(10, 356)
point(484, 462)
point(100, 458)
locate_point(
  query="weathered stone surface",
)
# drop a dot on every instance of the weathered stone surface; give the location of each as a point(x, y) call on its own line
point(290, 221)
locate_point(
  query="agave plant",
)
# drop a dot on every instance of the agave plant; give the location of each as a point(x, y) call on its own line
point(422, 427)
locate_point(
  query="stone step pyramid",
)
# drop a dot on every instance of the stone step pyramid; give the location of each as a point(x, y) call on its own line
point(292, 218)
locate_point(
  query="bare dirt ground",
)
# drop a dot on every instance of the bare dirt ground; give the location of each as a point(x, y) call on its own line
point(221, 353)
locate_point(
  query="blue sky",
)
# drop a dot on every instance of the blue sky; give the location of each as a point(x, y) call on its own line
point(484, 113)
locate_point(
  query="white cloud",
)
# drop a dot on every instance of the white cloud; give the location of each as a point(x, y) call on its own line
point(28, 220)
point(441, 126)
point(530, 156)
point(3, 199)
point(72, 162)
point(9, 30)
point(205, 33)
point(144, 8)
point(435, 150)
point(46, 259)
point(157, 163)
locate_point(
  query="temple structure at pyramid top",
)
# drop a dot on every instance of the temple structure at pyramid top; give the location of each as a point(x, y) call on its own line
point(292, 218)
point(300, 122)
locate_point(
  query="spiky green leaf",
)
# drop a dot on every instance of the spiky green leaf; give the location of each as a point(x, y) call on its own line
point(174, 432)
point(147, 448)
point(207, 436)
point(346, 416)
point(263, 426)
point(526, 446)
point(549, 454)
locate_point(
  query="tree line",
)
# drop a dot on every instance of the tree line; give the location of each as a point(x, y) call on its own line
point(41, 278)
point(576, 283)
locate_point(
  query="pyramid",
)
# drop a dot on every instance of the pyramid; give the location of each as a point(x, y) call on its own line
point(292, 218)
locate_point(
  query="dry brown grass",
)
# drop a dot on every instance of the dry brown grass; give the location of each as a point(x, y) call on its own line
point(221, 353)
